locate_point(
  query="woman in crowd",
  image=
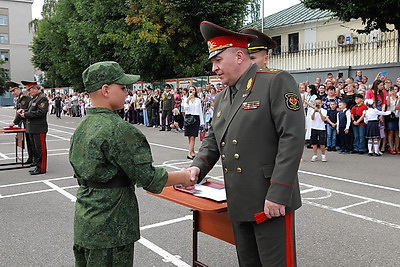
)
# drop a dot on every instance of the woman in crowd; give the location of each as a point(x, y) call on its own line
point(309, 99)
point(193, 119)
point(392, 120)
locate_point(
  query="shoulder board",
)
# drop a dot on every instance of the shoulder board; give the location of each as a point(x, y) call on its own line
point(273, 71)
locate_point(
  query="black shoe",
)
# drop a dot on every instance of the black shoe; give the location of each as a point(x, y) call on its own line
point(377, 154)
point(370, 154)
point(329, 148)
point(35, 172)
point(334, 149)
point(353, 152)
point(361, 152)
point(188, 157)
point(169, 129)
point(162, 129)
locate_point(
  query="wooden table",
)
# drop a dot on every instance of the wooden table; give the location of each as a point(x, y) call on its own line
point(209, 217)
point(19, 143)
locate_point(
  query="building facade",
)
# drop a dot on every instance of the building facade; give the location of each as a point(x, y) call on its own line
point(15, 39)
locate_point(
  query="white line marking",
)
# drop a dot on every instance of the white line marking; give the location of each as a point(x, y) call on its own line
point(60, 190)
point(308, 190)
point(35, 182)
point(185, 218)
point(350, 181)
point(62, 138)
point(171, 147)
point(353, 214)
point(163, 253)
point(27, 193)
point(354, 205)
point(4, 156)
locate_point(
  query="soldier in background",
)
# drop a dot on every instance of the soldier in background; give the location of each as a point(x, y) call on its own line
point(259, 47)
point(22, 103)
point(167, 105)
point(36, 126)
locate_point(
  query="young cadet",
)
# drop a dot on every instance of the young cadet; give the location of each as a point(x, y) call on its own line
point(258, 131)
point(36, 126)
point(23, 101)
point(110, 156)
point(258, 48)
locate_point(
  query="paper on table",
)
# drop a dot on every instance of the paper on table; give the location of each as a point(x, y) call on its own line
point(210, 192)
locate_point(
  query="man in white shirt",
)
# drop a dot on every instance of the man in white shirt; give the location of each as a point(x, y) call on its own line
point(318, 130)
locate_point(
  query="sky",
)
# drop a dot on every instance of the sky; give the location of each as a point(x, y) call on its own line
point(270, 6)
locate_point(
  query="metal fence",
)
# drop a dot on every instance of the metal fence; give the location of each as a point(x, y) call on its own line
point(347, 50)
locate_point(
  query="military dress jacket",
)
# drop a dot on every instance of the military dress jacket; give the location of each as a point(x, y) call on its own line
point(103, 147)
point(36, 115)
point(22, 103)
point(167, 101)
point(260, 139)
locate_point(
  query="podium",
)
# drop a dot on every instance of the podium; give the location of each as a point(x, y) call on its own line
point(209, 217)
point(19, 143)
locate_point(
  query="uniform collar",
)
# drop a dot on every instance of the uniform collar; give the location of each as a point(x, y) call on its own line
point(95, 110)
point(242, 78)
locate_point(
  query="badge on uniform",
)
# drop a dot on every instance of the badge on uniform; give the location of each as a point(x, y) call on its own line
point(292, 101)
point(251, 105)
point(22, 102)
point(42, 105)
point(219, 114)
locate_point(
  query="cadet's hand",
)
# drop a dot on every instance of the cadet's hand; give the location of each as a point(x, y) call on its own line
point(272, 209)
point(194, 175)
point(188, 180)
point(11, 125)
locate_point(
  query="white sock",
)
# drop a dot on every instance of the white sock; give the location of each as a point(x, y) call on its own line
point(376, 147)
point(370, 146)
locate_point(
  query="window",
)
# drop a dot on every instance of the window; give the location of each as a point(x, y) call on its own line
point(4, 55)
point(293, 42)
point(3, 38)
point(277, 50)
point(3, 20)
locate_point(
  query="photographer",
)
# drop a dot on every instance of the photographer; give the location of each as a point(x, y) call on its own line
point(318, 130)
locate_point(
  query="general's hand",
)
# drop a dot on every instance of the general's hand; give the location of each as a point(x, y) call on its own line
point(11, 125)
point(272, 209)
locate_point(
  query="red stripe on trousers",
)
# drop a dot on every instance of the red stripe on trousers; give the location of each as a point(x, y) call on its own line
point(289, 240)
point(44, 152)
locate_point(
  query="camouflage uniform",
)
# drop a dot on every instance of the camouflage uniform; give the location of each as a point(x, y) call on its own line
point(107, 220)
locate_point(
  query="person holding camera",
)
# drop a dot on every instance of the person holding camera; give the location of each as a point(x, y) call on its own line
point(318, 130)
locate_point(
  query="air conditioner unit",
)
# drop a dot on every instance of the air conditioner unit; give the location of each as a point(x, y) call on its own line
point(346, 39)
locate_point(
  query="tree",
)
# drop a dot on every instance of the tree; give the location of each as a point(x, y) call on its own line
point(374, 14)
point(3, 77)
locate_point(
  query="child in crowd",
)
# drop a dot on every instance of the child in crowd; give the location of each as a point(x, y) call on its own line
point(318, 130)
point(331, 119)
point(343, 127)
point(110, 157)
point(209, 115)
point(177, 120)
point(126, 110)
point(372, 134)
point(359, 126)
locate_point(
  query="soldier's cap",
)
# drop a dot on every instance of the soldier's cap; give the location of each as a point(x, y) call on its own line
point(263, 42)
point(359, 96)
point(11, 86)
point(218, 38)
point(106, 72)
point(29, 85)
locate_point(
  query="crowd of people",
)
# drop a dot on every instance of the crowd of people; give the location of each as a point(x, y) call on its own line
point(352, 115)
point(336, 112)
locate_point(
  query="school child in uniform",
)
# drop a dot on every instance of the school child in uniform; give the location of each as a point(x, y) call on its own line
point(372, 134)
point(331, 119)
point(318, 130)
point(343, 127)
point(359, 126)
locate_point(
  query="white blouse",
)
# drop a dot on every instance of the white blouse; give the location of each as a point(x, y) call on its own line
point(372, 114)
point(194, 108)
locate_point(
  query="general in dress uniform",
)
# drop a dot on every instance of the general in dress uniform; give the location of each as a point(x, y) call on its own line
point(21, 103)
point(257, 131)
point(36, 126)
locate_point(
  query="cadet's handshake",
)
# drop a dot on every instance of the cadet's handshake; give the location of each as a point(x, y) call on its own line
point(182, 177)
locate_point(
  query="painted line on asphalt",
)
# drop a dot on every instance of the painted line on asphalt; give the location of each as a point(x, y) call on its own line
point(167, 257)
point(4, 156)
point(60, 190)
point(185, 218)
point(354, 205)
point(59, 137)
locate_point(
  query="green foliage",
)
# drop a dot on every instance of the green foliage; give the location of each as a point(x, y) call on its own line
point(154, 38)
point(3, 77)
point(374, 14)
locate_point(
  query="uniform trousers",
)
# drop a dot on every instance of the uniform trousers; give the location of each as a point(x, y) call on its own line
point(119, 256)
point(29, 146)
point(270, 243)
point(39, 150)
point(166, 114)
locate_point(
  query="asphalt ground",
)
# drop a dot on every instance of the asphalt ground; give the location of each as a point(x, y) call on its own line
point(350, 214)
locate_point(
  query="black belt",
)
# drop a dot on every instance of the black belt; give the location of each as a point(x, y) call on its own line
point(118, 181)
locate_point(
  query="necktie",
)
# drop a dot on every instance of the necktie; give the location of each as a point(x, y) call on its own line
point(233, 92)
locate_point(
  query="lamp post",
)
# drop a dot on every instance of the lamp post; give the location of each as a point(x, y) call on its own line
point(262, 15)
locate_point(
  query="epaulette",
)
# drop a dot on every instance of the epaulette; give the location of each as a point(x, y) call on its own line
point(265, 70)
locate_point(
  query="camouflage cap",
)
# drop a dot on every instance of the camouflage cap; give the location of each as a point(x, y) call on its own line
point(106, 72)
